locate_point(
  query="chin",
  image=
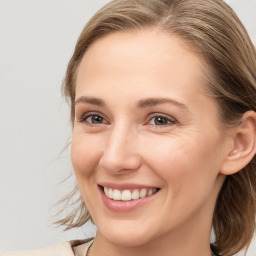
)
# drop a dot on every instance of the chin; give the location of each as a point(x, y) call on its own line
point(127, 235)
point(128, 240)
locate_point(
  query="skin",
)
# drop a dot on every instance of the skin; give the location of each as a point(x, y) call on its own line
point(183, 157)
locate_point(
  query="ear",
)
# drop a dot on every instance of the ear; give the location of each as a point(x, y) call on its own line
point(242, 146)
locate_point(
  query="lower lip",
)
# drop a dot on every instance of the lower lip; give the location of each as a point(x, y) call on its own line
point(125, 206)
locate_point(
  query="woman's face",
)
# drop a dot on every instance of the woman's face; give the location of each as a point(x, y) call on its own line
point(146, 132)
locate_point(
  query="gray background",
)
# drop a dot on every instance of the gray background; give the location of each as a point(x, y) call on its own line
point(37, 38)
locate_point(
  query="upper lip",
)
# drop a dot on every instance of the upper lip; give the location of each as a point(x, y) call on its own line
point(123, 186)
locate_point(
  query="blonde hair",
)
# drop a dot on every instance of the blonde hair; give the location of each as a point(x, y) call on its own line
point(216, 33)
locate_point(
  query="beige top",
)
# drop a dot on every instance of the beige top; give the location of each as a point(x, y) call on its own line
point(67, 248)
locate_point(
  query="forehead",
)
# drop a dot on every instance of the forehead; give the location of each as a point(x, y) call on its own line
point(148, 56)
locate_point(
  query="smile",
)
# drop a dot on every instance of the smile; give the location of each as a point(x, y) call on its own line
point(128, 195)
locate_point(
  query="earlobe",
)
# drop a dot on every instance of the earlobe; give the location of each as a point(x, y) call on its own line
point(243, 143)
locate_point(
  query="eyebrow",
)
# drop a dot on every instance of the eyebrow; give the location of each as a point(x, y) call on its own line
point(90, 100)
point(150, 102)
point(144, 103)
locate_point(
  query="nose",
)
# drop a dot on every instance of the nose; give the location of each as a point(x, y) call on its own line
point(121, 151)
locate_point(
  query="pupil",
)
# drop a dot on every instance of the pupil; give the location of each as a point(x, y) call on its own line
point(160, 120)
point(97, 119)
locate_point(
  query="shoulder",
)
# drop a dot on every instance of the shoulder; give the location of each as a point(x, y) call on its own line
point(63, 248)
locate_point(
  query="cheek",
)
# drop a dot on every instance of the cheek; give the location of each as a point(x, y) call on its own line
point(189, 172)
point(85, 154)
point(183, 163)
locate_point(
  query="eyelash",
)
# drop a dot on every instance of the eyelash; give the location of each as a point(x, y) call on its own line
point(168, 120)
point(84, 118)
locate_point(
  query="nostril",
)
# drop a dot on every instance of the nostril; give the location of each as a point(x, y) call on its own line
point(120, 163)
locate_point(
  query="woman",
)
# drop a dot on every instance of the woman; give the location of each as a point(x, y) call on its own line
point(163, 101)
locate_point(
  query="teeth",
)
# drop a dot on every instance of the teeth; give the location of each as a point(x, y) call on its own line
point(143, 193)
point(117, 194)
point(106, 190)
point(135, 194)
point(110, 193)
point(150, 192)
point(128, 195)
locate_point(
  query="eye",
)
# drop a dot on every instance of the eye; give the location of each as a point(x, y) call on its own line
point(93, 119)
point(161, 120)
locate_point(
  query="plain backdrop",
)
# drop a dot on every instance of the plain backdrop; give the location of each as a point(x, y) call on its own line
point(37, 38)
